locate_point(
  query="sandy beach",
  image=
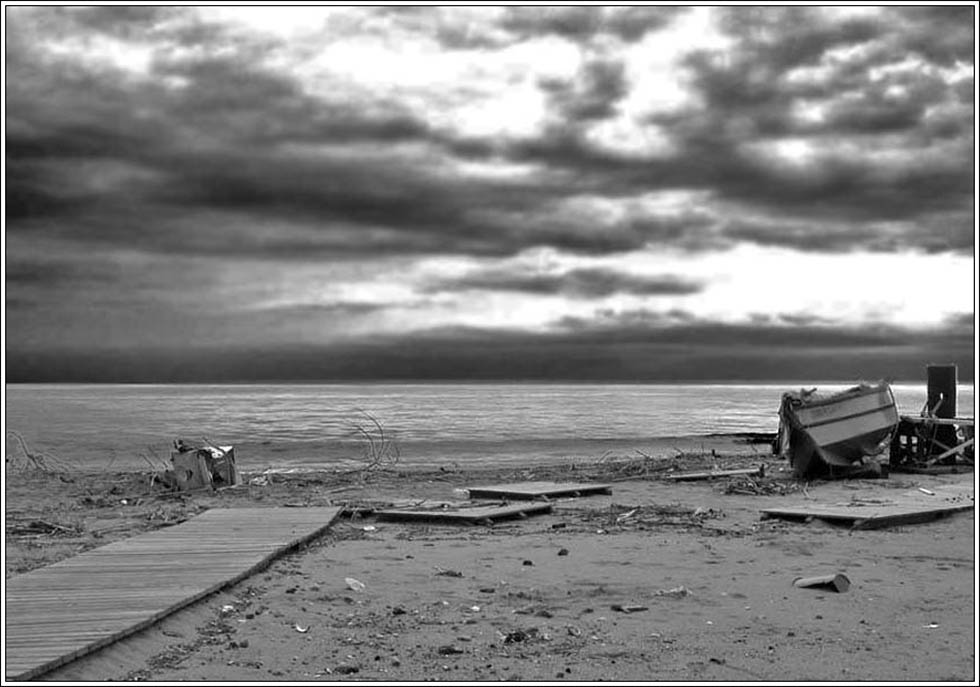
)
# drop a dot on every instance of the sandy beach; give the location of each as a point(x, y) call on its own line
point(658, 581)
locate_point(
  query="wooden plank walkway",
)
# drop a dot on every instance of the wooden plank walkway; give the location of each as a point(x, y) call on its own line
point(477, 515)
point(71, 608)
point(905, 508)
point(536, 490)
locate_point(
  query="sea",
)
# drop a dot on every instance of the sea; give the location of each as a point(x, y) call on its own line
point(289, 427)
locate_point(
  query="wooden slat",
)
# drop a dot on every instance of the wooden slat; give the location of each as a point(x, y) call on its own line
point(66, 610)
point(711, 474)
point(536, 490)
point(477, 515)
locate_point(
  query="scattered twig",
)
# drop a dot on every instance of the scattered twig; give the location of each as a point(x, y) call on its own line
point(379, 450)
point(44, 461)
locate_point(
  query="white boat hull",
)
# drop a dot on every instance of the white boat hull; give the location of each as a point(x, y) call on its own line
point(838, 430)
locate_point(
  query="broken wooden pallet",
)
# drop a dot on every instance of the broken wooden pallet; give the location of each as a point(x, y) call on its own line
point(477, 515)
point(536, 490)
point(907, 508)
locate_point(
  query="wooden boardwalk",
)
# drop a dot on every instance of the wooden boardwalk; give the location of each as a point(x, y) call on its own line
point(66, 610)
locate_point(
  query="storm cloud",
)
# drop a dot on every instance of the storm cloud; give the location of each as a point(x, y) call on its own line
point(587, 283)
point(168, 168)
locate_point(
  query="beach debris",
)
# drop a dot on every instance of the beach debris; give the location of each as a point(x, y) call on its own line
point(562, 552)
point(559, 526)
point(398, 610)
point(448, 573)
point(450, 650)
point(355, 584)
point(927, 491)
point(712, 474)
point(837, 582)
point(369, 528)
point(488, 590)
point(836, 432)
point(931, 626)
point(527, 562)
point(537, 490)
point(674, 593)
point(302, 630)
point(469, 515)
point(628, 608)
point(227, 608)
point(626, 516)
point(520, 635)
point(345, 669)
point(762, 486)
point(200, 466)
point(43, 527)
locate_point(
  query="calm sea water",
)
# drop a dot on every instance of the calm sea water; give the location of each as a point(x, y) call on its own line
point(288, 426)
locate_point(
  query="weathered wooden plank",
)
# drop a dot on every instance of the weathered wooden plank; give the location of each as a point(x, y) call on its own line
point(478, 515)
point(711, 474)
point(76, 606)
point(536, 490)
point(906, 508)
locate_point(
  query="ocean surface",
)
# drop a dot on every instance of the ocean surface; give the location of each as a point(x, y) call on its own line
point(285, 427)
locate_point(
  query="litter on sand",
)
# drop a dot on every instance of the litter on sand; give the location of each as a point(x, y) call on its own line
point(837, 582)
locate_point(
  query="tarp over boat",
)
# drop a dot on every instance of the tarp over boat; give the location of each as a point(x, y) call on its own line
point(839, 429)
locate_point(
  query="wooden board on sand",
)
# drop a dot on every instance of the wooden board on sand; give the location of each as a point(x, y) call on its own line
point(712, 474)
point(536, 490)
point(71, 608)
point(905, 508)
point(478, 515)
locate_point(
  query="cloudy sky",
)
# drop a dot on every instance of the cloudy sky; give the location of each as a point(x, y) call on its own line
point(641, 192)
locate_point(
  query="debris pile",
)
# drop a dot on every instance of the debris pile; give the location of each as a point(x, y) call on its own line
point(762, 486)
point(643, 517)
point(200, 466)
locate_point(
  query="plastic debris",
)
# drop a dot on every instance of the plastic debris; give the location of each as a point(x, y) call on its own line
point(837, 582)
point(628, 609)
point(562, 552)
point(520, 635)
point(675, 593)
point(355, 585)
point(302, 630)
point(927, 491)
point(448, 573)
point(625, 516)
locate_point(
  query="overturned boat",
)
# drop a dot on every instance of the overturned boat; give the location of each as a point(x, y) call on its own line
point(836, 432)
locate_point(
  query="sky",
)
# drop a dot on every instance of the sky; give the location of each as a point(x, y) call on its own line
point(629, 193)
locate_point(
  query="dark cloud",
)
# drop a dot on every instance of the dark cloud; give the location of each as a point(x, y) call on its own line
point(216, 130)
point(601, 83)
point(698, 352)
point(832, 237)
point(578, 283)
point(221, 151)
point(582, 24)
